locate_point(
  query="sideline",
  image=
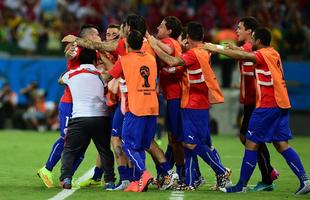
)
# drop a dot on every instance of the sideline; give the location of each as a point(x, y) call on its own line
point(66, 193)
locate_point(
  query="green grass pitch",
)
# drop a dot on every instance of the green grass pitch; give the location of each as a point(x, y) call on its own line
point(24, 152)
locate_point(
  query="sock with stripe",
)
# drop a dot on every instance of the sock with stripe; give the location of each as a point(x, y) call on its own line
point(248, 166)
point(295, 164)
point(189, 167)
point(206, 154)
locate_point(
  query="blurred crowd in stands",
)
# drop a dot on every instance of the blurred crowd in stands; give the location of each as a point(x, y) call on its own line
point(35, 27)
point(37, 113)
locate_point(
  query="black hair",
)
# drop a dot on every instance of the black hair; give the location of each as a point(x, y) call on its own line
point(264, 35)
point(87, 56)
point(175, 25)
point(135, 40)
point(85, 28)
point(184, 33)
point(115, 26)
point(195, 31)
point(249, 23)
point(136, 22)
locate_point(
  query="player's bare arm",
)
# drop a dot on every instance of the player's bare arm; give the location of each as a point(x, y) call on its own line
point(236, 54)
point(106, 62)
point(70, 51)
point(170, 60)
point(233, 47)
point(61, 78)
point(105, 76)
point(164, 47)
point(100, 46)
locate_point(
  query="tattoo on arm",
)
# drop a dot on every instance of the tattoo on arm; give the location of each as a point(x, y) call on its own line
point(100, 46)
point(170, 60)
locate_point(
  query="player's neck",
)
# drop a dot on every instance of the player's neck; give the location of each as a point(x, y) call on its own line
point(194, 44)
point(248, 40)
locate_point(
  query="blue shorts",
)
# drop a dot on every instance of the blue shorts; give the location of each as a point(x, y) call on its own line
point(269, 125)
point(117, 122)
point(174, 120)
point(195, 126)
point(138, 131)
point(65, 113)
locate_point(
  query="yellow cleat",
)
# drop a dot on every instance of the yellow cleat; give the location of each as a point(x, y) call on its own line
point(46, 177)
point(90, 183)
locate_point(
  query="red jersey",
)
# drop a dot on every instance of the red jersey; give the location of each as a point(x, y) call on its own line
point(198, 93)
point(266, 91)
point(117, 72)
point(247, 82)
point(72, 64)
point(170, 82)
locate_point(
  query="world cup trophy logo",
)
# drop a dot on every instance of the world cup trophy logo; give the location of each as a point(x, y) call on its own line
point(145, 73)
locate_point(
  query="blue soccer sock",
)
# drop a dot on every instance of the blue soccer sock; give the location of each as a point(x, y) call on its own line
point(136, 174)
point(55, 154)
point(295, 164)
point(189, 167)
point(236, 188)
point(136, 158)
point(165, 167)
point(196, 167)
point(142, 155)
point(97, 174)
point(206, 154)
point(159, 170)
point(248, 166)
point(180, 169)
point(169, 155)
point(216, 155)
point(123, 173)
point(131, 173)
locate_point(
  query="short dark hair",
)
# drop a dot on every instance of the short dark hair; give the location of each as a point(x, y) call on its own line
point(87, 56)
point(114, 26)
point(136, 22)
point(85, 28)
point(184, 33)
point(195, 31)
point(175, 25)
point(249, 23)
point(264, 35)
point(135, 40)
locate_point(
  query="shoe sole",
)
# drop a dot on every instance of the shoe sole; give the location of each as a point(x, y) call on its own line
point(146, 187)
point(46, 182)
point(266, 189)
point(304, 190)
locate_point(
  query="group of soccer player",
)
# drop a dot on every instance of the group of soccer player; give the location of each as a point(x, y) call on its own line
point(133, 67)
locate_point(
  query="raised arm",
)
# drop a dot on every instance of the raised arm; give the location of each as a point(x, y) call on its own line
point(235, 54)
point(170, 60)
point(100, 46)
point(70, 51)
point(106, 62)
point(164, 47)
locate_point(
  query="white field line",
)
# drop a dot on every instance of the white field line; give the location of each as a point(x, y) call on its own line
point(176, 195)
point(66, 193)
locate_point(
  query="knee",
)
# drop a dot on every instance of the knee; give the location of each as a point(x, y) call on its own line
point(252, 146)
point(190, 146)
point(281, 146)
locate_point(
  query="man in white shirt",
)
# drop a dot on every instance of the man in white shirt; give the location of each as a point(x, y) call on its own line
point(90, 118)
